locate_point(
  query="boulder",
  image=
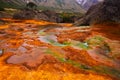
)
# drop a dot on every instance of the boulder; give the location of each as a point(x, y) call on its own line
point(106, 11)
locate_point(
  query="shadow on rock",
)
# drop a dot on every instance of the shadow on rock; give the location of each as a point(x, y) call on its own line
point(106, 11)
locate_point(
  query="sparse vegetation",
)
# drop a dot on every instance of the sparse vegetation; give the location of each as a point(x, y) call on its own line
point(96, 40)
point(70, 17)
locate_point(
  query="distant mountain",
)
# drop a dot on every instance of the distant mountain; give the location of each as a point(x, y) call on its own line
point(86, 4)
point(66, 5)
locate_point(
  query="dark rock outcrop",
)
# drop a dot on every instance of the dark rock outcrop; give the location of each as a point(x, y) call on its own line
point(25, 14)
point(107, 11)
point(37, 15)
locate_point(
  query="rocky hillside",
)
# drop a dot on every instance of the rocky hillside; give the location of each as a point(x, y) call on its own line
point(106, 11)
point(66, 5)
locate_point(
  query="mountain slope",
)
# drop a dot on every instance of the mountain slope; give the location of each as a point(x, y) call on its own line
point(66, 5)
point(86, 4)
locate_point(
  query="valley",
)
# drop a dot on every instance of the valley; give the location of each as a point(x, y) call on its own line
point(38, 50)
point(59, 40)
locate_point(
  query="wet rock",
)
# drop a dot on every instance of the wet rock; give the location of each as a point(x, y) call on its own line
point(107, 11)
